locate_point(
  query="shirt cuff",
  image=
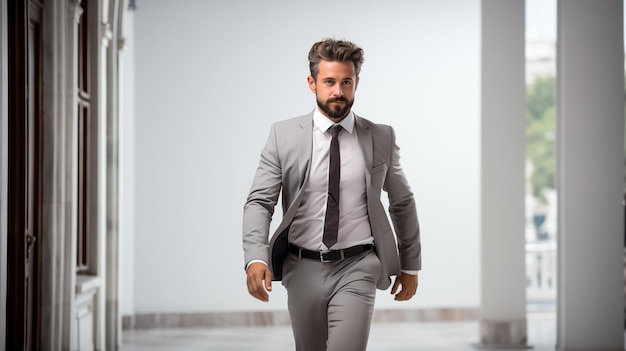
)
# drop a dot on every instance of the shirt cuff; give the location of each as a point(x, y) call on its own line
point(406, 271)
point(255, 261)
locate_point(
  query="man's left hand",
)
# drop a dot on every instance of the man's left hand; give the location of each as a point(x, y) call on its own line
point(409, 286)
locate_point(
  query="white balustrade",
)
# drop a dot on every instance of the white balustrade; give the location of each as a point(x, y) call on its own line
point(541, 272)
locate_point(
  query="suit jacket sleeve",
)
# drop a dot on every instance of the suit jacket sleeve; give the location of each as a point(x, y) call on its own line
point(403, 211)
point(261, 201)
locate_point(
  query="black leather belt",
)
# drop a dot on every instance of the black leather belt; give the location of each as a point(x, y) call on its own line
point(329, 256)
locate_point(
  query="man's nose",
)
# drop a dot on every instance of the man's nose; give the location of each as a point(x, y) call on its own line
point(339, 90)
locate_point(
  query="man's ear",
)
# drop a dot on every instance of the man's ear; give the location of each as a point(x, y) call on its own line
point(311, 82)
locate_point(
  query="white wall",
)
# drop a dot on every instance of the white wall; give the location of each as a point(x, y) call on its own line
point(127, 165)
point(211, 76)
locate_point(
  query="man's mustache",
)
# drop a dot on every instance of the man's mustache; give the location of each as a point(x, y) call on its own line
point(340, 98)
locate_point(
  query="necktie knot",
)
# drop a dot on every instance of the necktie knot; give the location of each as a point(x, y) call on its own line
point(335, 129)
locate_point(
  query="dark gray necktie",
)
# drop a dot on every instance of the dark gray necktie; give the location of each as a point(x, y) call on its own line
point(331, 223)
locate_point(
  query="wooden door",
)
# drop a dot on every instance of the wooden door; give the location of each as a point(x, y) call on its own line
point(24, 174)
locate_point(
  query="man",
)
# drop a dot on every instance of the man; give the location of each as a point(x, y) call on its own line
point(335, 245)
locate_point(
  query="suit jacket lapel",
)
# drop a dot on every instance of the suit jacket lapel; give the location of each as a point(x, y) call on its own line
point(305, 147)
point(365, 140)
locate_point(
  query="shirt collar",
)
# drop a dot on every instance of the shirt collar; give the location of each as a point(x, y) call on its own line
point(323, 123)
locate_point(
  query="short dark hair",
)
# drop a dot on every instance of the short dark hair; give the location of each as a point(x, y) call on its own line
point(334, 50)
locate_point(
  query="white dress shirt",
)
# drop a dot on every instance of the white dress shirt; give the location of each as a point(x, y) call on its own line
point(307, 227)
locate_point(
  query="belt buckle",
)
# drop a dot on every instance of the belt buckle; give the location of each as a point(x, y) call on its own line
point(322, 253)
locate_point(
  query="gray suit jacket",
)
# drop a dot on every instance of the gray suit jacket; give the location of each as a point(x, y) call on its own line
point(284, 164)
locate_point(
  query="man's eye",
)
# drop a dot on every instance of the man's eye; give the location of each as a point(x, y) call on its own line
point(329, 82)
point(347, 82)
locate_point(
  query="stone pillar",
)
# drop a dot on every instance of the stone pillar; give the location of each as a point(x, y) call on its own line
point(503, 147)
point(113, 332)
point(59, 174)
point(590, 175)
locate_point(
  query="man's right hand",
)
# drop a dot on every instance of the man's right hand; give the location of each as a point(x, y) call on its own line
point(259, 281)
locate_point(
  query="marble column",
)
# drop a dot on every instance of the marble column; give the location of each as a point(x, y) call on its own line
point(590, 175)
point(503, 144)
point(59, 173)
point(113, 316)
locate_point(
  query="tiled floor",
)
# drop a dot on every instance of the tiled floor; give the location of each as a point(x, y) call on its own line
point(452, 336)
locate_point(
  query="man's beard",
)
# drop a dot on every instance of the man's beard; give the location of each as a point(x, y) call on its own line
point(338, 111)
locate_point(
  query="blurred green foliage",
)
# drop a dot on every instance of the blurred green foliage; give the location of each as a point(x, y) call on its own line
point(541, 134)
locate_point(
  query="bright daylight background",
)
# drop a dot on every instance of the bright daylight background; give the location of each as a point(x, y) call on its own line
point(209, 79)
